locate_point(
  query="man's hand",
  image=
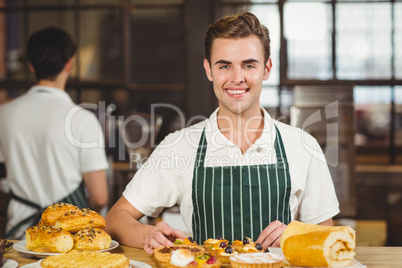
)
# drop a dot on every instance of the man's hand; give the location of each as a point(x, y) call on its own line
point(162, 235)
point(271, 235)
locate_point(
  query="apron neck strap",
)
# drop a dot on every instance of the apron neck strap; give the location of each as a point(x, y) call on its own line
point(203, 144)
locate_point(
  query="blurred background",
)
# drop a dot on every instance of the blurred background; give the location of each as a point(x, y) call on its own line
point(339, 60)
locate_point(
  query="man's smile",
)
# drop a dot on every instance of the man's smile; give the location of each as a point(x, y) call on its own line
point(237, 92)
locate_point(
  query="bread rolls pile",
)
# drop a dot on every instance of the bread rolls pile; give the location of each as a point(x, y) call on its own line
point(64, 227)
point(318, 246)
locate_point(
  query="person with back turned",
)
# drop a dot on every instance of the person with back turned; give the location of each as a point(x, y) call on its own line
point(249, 175)
point(53, 149)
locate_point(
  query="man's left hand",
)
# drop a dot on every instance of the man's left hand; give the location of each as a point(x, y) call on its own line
point(271, 235)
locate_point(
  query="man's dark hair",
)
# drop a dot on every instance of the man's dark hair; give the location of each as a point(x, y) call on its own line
point(237, 26)
point(48, 50)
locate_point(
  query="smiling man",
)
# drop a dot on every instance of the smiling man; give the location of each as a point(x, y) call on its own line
point(250, 174)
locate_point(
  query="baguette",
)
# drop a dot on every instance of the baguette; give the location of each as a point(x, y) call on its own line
point(48, 239)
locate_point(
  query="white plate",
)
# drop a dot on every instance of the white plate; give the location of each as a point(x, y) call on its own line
point(20, 246)
point(133, 264)
point(139, 264)
point(7, 263)
point(354, 264)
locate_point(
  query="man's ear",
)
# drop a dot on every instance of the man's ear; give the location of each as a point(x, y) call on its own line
point(69, 65)
point(31, 68)
point(267, 69)
point(207, 68)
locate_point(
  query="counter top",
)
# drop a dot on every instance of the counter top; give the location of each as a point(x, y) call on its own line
point(372, 257)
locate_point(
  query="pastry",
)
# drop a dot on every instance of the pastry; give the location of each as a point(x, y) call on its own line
point(297, 227)
point(87, 259)
point(320, 246)
point(210, 242)
point(186, 241)
point(216, 248)
point(76, 220)
point(2, 249)
point(163, 254)
point(52, 213)
point(91, 239)
point(184, 258)
point(256, 260)
point(48, 239)
point(246, 246)
point(224, 254)
point(206, 261)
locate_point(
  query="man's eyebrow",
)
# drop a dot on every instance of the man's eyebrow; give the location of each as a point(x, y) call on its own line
point(223, 62)
point(243, 62)
point(250, 61)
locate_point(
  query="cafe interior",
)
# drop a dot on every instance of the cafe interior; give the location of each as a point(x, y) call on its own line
point(337, 74)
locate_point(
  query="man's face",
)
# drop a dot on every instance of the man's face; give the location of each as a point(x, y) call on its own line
point(237, 71)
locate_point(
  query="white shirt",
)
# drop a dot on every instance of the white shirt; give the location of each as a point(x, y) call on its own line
point(166, 177)
point(42, 134)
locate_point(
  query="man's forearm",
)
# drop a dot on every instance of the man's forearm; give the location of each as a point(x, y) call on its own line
point(121, 226)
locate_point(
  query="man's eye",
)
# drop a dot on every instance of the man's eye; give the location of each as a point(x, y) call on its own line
point(248, 66)
point(224, 67)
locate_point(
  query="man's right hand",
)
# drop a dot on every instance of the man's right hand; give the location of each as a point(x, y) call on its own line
point(162, 235)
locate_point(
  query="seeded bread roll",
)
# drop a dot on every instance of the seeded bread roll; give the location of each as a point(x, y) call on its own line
point(76, 220)
point(48, 239)
point(91, 239)
point(86, 259)
point(54, 212)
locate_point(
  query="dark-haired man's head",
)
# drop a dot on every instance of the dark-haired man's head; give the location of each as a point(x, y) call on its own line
point(48, 51)
point(237, 26)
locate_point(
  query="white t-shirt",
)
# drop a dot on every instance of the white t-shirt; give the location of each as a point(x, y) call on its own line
point(165, 179)
point(42, 135)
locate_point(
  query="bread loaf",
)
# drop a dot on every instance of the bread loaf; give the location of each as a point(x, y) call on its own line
point(318, 246)
point(91, 239)
point(48, 239)
point(54, 212)
point(297, 227)
point(76, 220)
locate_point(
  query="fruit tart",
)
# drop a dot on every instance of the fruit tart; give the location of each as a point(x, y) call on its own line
point(217, 248)
point(211, 243)
point(247, 246)
point(223, 254)
point(184, 258)
point(189, 241)
point(163, 254)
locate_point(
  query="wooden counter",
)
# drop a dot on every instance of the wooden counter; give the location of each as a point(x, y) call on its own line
point(372, 257)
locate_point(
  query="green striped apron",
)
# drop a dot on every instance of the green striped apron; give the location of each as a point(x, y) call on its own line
point(76, 198)
point(239, 201)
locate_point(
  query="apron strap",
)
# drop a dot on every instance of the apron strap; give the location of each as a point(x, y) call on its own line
point(201, 151)
point(280, 148)
point(77, 198)
point(33, 218)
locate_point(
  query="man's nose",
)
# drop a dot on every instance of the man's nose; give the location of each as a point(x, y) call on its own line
point(237, 75)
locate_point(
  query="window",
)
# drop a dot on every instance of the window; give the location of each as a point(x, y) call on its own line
point(338, 43)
